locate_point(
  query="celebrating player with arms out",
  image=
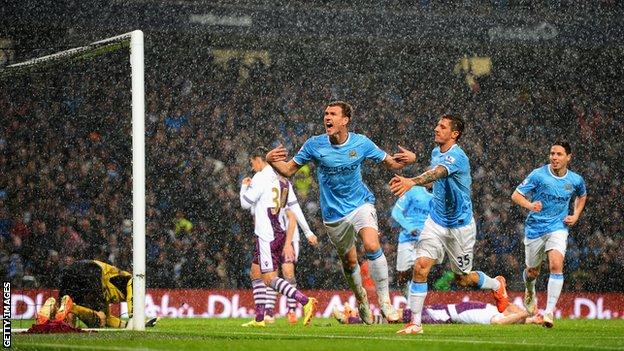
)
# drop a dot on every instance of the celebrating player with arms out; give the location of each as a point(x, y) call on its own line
point(550, 187)
point(346, 202)
point(270, 195)
point(450, 227)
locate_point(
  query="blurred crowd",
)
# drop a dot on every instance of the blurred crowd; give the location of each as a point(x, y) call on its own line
point(65, 158)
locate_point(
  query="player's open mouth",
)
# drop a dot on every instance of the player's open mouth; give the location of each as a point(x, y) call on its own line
point(328, 125)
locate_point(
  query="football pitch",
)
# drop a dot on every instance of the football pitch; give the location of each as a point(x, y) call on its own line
point(326, 334)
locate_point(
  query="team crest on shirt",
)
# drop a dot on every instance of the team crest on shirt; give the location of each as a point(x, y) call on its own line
point(352, 154)
point(525, 182)
point(449, 159)
point(568, 187)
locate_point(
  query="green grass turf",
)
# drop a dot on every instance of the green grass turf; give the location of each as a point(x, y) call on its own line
point(325, 334)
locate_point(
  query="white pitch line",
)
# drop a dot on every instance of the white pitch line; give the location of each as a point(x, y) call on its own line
point(84, 347)
point(421, 338)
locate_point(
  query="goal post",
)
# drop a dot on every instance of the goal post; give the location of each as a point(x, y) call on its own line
point(138, 179)
point(133, 40)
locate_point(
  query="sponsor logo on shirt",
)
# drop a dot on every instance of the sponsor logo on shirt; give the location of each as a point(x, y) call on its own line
point(338, 170)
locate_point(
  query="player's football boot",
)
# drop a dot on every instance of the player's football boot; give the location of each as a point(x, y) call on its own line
point(152, 322)
point(292, 317)
point(366, 315)
point(549, 320)
point(309, 309)
point(254, 324)
point(389, 312)
point(46, 311)
point(530, 302)
point(411, 328)
point(500, 294)
point(269, 319)
point(65, 309)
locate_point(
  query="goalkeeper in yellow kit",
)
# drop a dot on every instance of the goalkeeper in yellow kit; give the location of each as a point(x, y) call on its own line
point(87, 288)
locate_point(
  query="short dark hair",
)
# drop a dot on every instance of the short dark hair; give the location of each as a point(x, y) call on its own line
point(565, 145)
point(347, 109)
point(260, 151)
point(457, 124)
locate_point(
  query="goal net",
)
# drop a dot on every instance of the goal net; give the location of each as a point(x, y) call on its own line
point(71, 153)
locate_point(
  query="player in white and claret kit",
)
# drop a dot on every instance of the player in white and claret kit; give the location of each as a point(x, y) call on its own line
point(269, 195)
point(288, 266)
point(550, 188)
point(347, 205)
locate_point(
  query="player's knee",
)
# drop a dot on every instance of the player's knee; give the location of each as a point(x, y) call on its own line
point(463, 280)
point(349, 264)
point(420, 274)
point(371, 246)
point(532, 273)
point(556, 267)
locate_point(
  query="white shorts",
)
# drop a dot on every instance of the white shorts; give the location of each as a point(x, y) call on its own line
point(436, 240)
point(344, 232)
point(406, 255)
point(535, 249)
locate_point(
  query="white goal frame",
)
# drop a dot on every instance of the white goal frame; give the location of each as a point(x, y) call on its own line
point(135, 41)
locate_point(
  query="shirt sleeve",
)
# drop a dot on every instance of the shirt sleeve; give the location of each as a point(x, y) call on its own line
point(249, 195)
point(305, 153)
point(580, 187)
point(372, 151)
point(453, 162)
point(529, 184)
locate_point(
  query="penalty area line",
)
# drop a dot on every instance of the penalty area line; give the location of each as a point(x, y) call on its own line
point(418, 338)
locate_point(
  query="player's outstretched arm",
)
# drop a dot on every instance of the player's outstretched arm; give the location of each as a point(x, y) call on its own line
point(277, 159)
point(400, 185)
point(513, 314)
point(400, 159)
point(404, 156)
point(524, 202)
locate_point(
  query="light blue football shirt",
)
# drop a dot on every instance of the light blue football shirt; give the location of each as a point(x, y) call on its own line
point(410, 211)
point(451, 205)
point(555, 194)
point(339, 172)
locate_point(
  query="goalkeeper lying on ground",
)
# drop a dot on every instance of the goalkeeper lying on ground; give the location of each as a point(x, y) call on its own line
point(87, 288)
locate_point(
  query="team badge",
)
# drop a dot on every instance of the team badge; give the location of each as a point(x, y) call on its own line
point(568, 187)
point(449, 159)
point(352, 153)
